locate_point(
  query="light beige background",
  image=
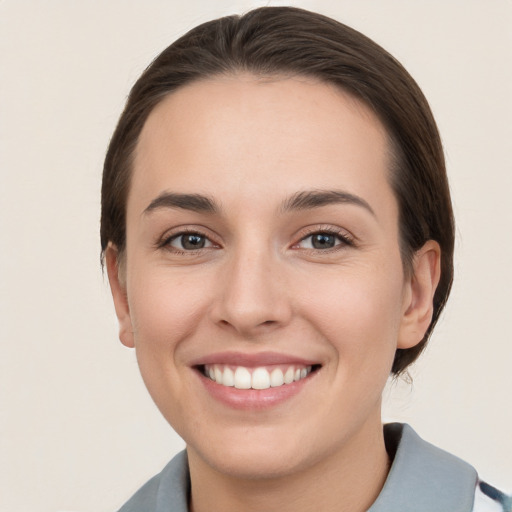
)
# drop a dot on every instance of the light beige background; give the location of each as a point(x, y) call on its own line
point(78, 431)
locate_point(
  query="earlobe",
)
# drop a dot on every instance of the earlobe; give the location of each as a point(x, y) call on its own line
point(419, 295)
point(117, 282)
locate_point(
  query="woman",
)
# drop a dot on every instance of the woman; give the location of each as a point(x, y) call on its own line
point(278, 234)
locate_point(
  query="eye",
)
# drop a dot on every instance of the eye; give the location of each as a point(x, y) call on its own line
point(323, 240)
point(189, 242)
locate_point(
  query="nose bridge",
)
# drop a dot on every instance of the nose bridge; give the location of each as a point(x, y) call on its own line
point(252, 295)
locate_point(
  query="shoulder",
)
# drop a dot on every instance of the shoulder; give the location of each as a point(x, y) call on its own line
point(490, 499)
point(144, 498)
point(425, 478)
point(170, 486)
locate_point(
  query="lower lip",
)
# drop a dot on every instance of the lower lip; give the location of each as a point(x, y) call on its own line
point(251, 399)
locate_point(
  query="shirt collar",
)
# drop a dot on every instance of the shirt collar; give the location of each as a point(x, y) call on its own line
point(422, 478)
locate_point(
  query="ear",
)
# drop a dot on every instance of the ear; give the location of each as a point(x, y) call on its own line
point(117, 280)
point(419, 293)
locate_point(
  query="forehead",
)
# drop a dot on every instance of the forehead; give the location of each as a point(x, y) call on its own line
point(278, 135)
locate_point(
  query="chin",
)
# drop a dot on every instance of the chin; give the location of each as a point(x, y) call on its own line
point(258, 453)
point(254, 464)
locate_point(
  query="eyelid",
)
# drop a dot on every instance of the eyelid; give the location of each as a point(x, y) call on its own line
point(179, 236)
point(168, 236)
point(346, 238)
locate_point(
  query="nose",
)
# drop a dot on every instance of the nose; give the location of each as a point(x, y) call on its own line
point(252, 296)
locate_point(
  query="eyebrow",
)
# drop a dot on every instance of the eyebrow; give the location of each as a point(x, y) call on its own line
point(310, 199)
point(194, 202)
point(304, 200)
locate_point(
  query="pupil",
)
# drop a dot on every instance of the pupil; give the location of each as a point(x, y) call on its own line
point(323, 241)
point(192, 241)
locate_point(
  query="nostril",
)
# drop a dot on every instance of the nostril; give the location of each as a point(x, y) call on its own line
point(226, 323)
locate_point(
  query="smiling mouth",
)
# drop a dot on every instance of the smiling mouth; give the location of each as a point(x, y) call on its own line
point(241, 377)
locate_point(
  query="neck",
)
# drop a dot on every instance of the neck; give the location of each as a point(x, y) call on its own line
point(349, 479)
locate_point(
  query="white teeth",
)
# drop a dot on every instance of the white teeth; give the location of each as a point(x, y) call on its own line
point(288, 376)
point(242, 378)
point(276, 378)
point(257, 378)
point(228, 378)
point(260, 379)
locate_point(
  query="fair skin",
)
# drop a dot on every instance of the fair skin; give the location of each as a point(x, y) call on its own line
point(253, 275)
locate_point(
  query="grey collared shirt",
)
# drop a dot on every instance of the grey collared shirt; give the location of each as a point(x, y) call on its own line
point(422, 478)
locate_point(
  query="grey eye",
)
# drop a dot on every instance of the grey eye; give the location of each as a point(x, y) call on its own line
point(323, 241)
point(190, 241)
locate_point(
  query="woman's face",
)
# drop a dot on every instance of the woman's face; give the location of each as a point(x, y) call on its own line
point(262, 235)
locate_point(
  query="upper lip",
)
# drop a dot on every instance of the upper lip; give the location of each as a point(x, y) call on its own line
point(252, 360)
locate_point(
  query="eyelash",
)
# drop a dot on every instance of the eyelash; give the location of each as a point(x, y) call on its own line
point(166, 240)
point(344, 239)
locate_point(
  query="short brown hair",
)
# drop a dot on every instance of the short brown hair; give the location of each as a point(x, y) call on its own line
point(291, 41)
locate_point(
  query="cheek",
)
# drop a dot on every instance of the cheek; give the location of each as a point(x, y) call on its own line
point(359, 314)
point(165, 309)
point(165, 312)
